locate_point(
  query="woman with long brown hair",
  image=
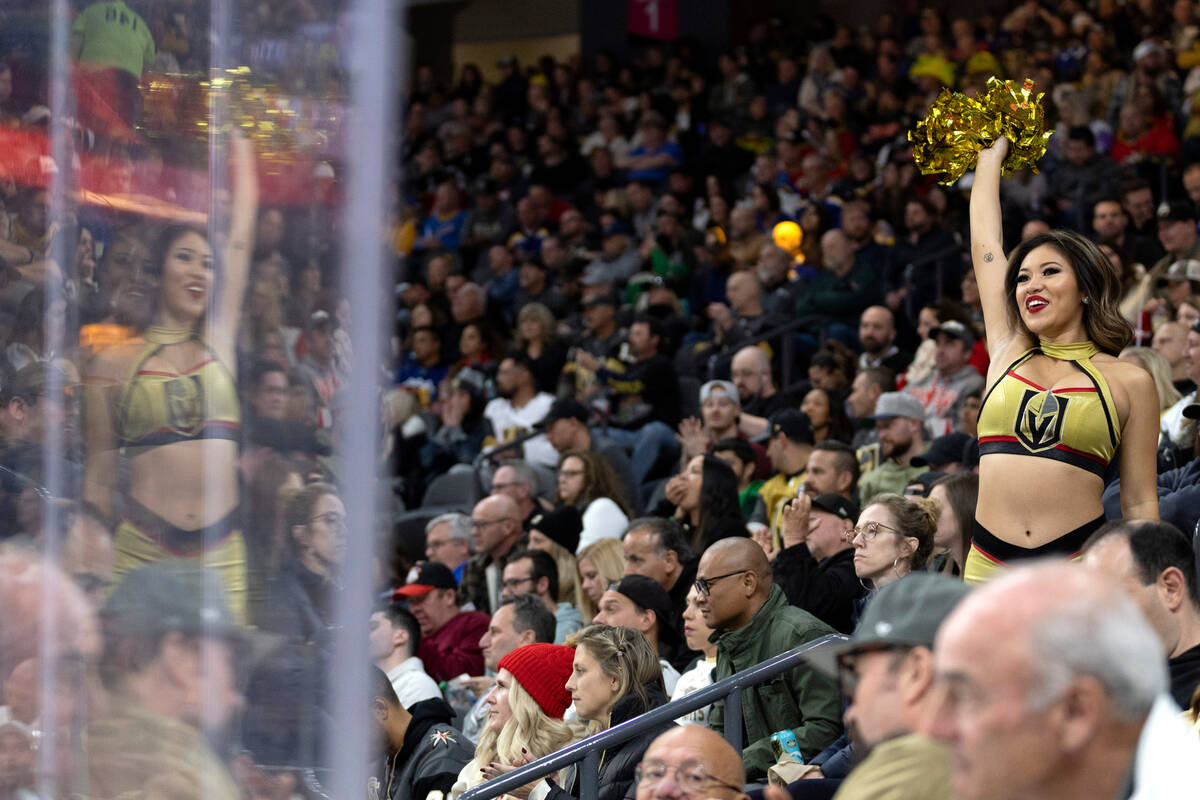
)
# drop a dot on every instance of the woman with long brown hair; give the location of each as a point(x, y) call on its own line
point(1056, 391)
point(586, 481)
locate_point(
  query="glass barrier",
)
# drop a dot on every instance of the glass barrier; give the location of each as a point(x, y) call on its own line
point(193, 291)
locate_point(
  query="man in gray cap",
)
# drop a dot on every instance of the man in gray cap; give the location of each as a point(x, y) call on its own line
point(899, 420)
point(886, 673)
point(170, 647)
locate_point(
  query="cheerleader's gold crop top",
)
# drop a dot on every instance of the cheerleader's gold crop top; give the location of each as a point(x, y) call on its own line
point(158, 407)
point(1076, 424)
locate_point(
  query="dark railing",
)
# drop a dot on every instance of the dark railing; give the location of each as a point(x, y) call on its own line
point(787, 346)
point(588, 750)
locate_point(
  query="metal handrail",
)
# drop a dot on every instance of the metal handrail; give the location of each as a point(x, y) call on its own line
point(587, 750)
point(786, 346)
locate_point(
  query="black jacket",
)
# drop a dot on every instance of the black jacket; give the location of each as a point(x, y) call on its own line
point(826, 589)
point(617, 764)
point(430, 759)
point(299, 605)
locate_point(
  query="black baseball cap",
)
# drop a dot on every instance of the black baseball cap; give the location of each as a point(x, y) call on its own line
point(565, 408)
point(606, 299)
point(840, 507)
point(647, 593)
point(1177, 211)
point(424, 577)
point(562, 525)
point(793, 424)
point(947, 449)
point(955, 330)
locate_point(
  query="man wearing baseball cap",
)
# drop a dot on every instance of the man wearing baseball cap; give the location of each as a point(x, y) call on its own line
point(815, 567)
point(171, 645)
point(885, 672)
point(449, 637)
point(944, 392)
point(640, 603)
point(789, 444)
point(899, 418)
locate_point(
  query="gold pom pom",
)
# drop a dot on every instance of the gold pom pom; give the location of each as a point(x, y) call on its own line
point(949, 139)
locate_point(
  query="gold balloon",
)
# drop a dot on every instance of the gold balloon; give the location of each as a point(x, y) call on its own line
point(957, 127)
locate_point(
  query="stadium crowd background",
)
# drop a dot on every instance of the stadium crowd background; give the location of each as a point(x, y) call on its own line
point(639, 305)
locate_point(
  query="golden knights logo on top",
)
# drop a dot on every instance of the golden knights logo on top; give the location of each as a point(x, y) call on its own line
point(1040, 419)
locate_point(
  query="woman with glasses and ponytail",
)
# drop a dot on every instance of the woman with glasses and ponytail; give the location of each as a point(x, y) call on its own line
point(893, 537)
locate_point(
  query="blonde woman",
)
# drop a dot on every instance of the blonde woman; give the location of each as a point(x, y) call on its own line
point(615, 677)
point(525, 716)
point(1153, 362)
point(600, 564)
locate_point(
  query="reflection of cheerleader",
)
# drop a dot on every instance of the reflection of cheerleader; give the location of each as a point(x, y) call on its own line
point(1055, 391)
point(169, 404)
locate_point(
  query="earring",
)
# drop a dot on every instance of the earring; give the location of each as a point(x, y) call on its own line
point(1086, 300)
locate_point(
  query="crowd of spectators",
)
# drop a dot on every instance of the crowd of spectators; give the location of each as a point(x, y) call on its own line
point(688, 360)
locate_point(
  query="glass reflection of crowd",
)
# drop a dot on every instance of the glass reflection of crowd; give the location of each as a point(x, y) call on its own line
point(685, 315)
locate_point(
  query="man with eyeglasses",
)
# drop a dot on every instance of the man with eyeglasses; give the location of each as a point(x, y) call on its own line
point(535, 572)
point(516, 479)
point(497, 534)
point(689, 761)
point(753, 622)
point(449, 636)
point(885, 672)
point(448, 541)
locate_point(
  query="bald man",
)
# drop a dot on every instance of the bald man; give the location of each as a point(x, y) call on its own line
point(754, 622)
point(690, 761)
point(842, 290)
point(1050, 676)
point(750, 372)
point(496, 533)
point(744, 317)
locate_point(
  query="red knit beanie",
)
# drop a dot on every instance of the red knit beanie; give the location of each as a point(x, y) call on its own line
point(543, 671)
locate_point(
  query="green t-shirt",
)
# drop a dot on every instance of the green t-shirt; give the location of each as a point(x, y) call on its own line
point(748, 498)
point(111, 35)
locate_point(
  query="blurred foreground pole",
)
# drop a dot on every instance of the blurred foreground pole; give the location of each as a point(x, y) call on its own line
point(365, 274)
point(61, 175)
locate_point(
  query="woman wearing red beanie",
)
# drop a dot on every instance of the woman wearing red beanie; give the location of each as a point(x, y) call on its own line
point(525, 714)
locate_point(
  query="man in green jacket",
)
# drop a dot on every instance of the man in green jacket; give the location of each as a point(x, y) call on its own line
point(842, 290)
point(752, 622)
